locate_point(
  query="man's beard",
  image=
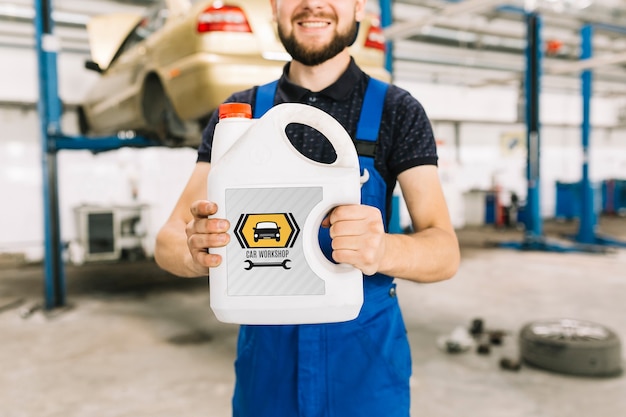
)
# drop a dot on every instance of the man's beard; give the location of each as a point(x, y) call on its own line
point(316, 56)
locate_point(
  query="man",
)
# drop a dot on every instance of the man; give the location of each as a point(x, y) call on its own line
point(361, 367)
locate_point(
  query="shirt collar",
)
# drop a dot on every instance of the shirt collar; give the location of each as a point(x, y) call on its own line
point(340, 90)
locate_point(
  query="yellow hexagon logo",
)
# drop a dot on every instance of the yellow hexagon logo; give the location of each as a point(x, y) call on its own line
point(267, 230)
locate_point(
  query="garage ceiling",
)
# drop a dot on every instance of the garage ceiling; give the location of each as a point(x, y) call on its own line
point(481, 42)
point(470, 43)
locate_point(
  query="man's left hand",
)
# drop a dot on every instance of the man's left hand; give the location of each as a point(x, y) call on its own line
point(358, 236)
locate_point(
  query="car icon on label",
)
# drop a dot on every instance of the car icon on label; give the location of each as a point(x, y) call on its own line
point(266, 230)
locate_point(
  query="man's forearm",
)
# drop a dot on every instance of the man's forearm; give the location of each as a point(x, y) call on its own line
point(428, 256)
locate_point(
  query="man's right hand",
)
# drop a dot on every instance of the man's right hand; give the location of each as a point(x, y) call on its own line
point(204, 233)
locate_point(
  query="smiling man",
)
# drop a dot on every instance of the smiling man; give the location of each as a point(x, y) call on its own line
point(361, 367)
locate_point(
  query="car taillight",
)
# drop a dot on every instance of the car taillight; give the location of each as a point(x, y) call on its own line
point(375, 37)
point(223, 19)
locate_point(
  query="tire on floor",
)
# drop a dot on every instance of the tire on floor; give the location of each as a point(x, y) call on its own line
point(572, 347)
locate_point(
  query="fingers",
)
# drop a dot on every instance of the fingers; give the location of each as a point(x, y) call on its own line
point(358, 236)
point(205, 240)
point(203, 208)
point(204, 233)
point(200, 210)
point(205, 225)
point(205, 259)
point(355, 220)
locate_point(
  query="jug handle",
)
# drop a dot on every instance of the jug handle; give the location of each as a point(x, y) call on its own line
point(288, 113)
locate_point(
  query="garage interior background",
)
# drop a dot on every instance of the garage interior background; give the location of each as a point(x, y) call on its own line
point(465, 67)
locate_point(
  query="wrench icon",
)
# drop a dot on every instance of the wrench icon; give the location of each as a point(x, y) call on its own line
point(279, 264)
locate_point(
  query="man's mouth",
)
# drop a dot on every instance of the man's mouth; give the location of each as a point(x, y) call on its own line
point(313, 25)
point(313, 21)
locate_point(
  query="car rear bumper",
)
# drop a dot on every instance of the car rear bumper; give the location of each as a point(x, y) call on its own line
point(197, 85)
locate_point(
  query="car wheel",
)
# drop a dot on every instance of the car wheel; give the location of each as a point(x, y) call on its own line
point(83, 125)
point(572, 347)
point(164, 123)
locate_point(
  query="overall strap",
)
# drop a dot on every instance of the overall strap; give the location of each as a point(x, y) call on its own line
point(369, 119)
point(264, 98)
point(371, 115)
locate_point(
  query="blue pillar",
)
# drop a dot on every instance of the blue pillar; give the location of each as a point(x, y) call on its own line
point(534, 238)
point(534, 223)
point(588, 220)
point(587, 234)
point(386, 19)
point(49, 108)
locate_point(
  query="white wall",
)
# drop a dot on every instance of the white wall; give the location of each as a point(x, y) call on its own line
point(84, 178)
point(21, 222)
point(19, 80)
point(483, 160)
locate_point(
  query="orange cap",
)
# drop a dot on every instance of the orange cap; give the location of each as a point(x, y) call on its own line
point(235, 110)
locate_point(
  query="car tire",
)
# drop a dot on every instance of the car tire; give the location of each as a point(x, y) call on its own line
point(571, 347)
point(83, 124)
point(164, 124)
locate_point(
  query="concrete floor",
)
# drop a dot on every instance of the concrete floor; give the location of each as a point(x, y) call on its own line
point(138, 342)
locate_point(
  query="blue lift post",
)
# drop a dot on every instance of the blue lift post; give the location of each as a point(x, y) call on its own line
point(49, 109)
point(53, 140)
point(534, 55)
point(588, 218)
point(386, 19)
point(534, 238)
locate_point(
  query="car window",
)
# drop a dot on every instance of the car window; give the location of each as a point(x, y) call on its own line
point(153, 20)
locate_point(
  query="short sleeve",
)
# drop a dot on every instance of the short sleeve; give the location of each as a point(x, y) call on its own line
point(406, 123)
point(204, 150)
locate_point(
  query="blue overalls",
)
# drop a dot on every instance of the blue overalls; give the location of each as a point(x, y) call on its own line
point(356, 368)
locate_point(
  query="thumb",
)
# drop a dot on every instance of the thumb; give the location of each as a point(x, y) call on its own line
point(326, 221)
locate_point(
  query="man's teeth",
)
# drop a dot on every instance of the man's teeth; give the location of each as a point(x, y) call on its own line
point(314, 24)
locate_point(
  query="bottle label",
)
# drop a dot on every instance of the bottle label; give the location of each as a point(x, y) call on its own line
point(266, 255)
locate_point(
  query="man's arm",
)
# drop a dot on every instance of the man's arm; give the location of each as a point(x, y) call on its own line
point(181, 244)
point(428, 255)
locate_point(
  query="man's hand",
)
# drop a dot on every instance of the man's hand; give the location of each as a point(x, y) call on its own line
point(204, 233)
point(358, 236)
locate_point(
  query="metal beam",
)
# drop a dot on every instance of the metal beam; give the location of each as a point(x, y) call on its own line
point(405, 29)
point(587, 64)
point(584, 64)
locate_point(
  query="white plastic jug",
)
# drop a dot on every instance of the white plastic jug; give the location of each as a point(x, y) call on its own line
point(273, 270)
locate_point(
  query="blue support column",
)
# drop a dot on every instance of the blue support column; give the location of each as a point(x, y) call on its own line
point(386, 17)
point(534, 223)
point(49, 108)
point(52, 140)
point(588, 217)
